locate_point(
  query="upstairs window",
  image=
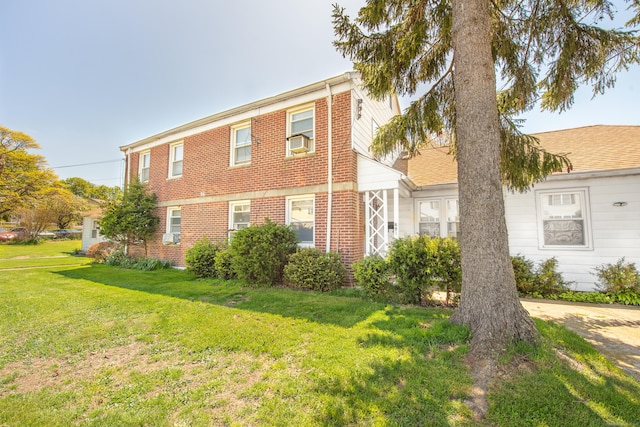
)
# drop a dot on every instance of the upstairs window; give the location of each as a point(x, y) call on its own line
point(145, 160)
point(563, 219)
point(241, 144)
point(300, 131)
point(175, 160)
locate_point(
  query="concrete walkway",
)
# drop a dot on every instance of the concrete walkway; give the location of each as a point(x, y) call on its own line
point(613, 329)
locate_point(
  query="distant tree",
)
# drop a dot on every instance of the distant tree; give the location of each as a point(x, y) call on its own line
point(131, 220)
point(24, 177)
point(83, 188)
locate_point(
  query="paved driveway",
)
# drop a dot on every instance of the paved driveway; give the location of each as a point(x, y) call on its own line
point(613, 329)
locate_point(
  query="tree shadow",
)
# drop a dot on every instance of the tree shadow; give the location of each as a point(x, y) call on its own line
point(312, 306)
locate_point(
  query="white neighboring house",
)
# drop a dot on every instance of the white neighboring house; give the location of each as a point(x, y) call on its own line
point(91, 229)
point(584, 218)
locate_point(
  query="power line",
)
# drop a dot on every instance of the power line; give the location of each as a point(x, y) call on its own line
point(86, 164)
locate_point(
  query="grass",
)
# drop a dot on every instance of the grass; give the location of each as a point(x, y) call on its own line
point(45, 254)
point(98, 345)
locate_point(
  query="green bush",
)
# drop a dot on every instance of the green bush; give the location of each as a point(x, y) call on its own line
point(224, 269)
point(373, 275)
point(201, 258)
point(422, 264)
point(101, 250)
point(591, 297)
point(118, 258)
point(260, 252)
point(626, 297)
point(619, 277)
point(538, 281)
point(313, 269)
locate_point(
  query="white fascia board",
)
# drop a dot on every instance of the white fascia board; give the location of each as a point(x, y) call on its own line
point(302, 95)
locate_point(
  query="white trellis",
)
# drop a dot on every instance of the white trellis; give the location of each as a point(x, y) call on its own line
point(377, 221)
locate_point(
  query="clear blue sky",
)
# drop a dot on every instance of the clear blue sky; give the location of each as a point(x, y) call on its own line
point(85, 77)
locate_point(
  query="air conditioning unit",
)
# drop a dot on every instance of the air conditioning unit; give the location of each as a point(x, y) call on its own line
point(299, 143)
point(170, 239)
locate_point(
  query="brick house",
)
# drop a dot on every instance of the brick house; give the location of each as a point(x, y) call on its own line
point(295, 158)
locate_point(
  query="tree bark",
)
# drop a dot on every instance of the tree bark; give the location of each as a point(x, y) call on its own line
point(489, 303)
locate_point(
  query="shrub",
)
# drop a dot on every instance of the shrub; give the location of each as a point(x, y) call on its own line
point(313, 269)
point(260, 252)
point(118, 258)
point(101, 250)
point(538, 281)
point(201, 258)
point(373, 275)
point(224, 269)
point(421, 264)
point(619, 277)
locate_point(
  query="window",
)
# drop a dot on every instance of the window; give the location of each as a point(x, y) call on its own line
point(175, 160)
point(563, 219)
point(434, 221)
point(145, 159)
point(95, 226)
point(301, 122)
point(173, 222)
point(301, 218)
point(239, 215)
point(241, 144)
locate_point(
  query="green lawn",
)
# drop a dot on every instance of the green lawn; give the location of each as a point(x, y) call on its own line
point(98, 345)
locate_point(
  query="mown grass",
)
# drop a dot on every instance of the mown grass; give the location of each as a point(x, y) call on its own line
point(98, 345)
point(45, 254)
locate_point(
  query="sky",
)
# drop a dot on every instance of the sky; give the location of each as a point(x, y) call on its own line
point(84, 77)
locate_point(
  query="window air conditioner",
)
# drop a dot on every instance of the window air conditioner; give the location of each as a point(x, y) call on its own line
point(299, 143)
point(170, 239)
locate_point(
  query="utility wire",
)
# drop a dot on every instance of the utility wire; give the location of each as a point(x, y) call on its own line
point(87, 164)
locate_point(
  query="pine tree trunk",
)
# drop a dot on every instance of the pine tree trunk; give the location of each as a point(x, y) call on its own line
point(489, 303)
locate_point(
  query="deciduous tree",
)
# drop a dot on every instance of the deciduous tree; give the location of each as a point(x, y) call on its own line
point(446, 53)
point(131, 220)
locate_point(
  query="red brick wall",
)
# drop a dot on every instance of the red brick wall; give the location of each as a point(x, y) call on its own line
point(206, 171)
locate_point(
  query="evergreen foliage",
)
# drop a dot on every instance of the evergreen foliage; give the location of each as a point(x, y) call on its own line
point(200, 259)
point(313, 269)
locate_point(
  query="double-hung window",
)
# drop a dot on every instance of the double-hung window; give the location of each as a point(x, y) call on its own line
point(301, 218)
point(241, 144)
point(175, 159)
point(563, 219)
point(145, 161)
point(439, 218)
point(174, 218)
point(239, 215)
point(300, 123)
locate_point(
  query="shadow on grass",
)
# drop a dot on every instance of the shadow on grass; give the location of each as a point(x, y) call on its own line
point(321, 308)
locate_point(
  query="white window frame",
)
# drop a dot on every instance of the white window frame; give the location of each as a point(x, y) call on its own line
point(233, 224)
point(443, 212)
point(290, 221)
point(170, 211)
point(234, 146)
point(312, 138)
point(585, 205)
point(141, 168)
point(172, 159)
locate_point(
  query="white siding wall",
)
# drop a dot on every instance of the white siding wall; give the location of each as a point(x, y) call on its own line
point(615, 231)
point(87, 239)
point(363, 127)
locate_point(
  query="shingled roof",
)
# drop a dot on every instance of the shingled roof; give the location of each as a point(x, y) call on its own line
point(590, 149)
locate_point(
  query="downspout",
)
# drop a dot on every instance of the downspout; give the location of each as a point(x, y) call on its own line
point(329, 166)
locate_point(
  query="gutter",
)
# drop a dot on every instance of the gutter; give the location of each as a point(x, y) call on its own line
point(329, 165)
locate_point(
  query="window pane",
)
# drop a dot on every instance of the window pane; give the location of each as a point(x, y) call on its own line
point(176, 168)
point(564, 233)
point(177, 152)
point(562, 206)
point(243, 137)
point(301, 210)
point(241, 217)
point(430, 229)
point(145, 160)
point(144, 175)
point(302, 123)
point(243, 154)
point(430, 211)
point(304, 230)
